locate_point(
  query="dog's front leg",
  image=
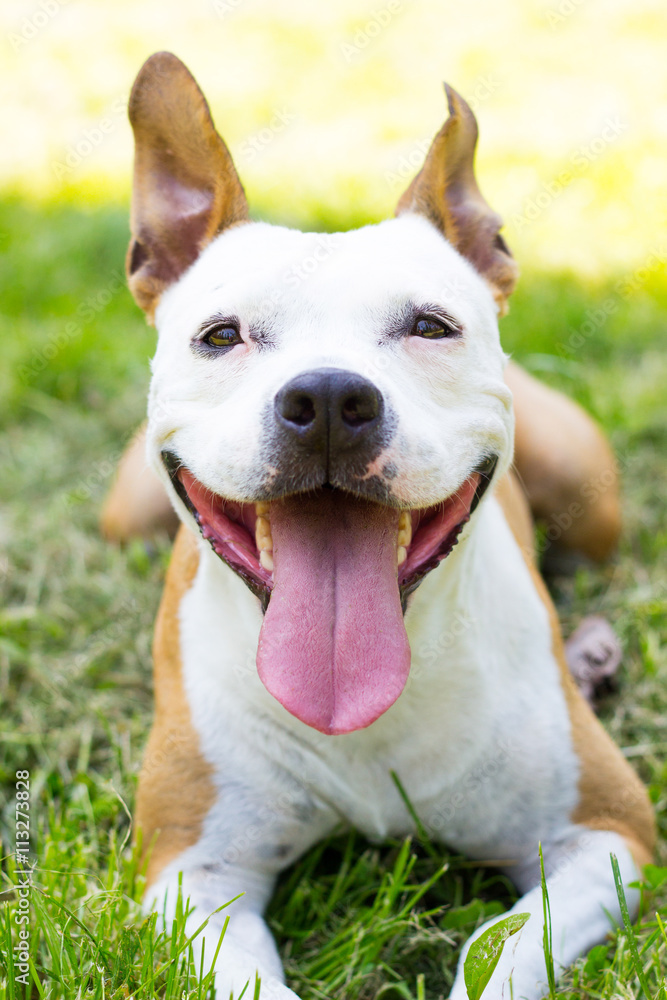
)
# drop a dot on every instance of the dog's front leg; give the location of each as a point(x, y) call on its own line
point(248, 949)
point(582, 898)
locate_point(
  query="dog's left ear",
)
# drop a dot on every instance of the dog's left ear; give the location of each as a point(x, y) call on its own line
point(186, 189)
point(445, 191)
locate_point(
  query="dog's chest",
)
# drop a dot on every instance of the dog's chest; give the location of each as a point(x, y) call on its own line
point(480, 738)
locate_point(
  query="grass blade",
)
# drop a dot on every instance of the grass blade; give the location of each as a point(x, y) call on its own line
point(547, 937)
point(629, 929)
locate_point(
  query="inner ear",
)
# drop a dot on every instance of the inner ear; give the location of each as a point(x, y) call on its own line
point(446, 192)
point(186, 189)
point(137, 256)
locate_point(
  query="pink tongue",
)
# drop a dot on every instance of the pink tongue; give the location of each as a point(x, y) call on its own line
point(333, 648)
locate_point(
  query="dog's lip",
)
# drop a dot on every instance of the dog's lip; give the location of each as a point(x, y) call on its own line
point(241, 553)
point(410, 575)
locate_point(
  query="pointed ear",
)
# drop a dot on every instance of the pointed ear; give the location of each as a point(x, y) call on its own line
point(446, 192)
point(186, 189)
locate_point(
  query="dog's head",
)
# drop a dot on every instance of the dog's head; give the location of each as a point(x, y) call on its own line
point(327, 410)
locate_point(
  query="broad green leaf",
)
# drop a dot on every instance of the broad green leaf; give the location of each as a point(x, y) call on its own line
point(655, 876)
point(485, 953)
point(597, 960)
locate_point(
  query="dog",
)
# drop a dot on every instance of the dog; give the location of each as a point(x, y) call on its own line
point(354, 587)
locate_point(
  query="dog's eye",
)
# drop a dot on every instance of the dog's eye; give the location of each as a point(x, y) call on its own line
point(435, 329)
point(222, 336)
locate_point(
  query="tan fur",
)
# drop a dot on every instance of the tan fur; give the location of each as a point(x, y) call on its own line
point(175, 790)
point(611, 796)
point(566, 467)
point(137, 505)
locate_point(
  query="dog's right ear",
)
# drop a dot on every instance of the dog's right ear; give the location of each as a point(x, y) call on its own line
point(186, 189)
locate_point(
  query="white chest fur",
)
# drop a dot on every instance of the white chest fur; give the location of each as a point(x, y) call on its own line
point(480, 738)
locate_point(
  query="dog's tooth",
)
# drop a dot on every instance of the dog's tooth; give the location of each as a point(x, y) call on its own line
point(262, 528)
point(404, 529)
point(266, 560)
point(402, 554)
point(263, 539)
point(262, 508)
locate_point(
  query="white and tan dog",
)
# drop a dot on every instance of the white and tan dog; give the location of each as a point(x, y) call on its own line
point(353, 590)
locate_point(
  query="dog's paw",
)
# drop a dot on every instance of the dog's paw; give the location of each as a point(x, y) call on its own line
point(593, 654)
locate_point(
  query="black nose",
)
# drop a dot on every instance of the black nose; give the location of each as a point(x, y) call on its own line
point(329, 408)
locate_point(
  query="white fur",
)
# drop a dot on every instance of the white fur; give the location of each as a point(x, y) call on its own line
point(480, 738)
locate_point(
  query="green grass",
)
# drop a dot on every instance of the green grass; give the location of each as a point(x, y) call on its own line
point(354, 920)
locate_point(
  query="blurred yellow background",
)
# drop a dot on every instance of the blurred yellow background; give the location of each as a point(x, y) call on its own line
point(328, 107)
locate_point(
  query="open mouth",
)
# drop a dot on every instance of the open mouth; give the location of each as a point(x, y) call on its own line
point(333, 572)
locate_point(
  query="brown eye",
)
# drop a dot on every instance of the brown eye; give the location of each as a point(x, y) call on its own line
point(435, 329)
point(222, 336)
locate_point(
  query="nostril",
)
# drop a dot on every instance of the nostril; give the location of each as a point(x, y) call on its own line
point(298, 408)
point(329, 406)
point(360, 408)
